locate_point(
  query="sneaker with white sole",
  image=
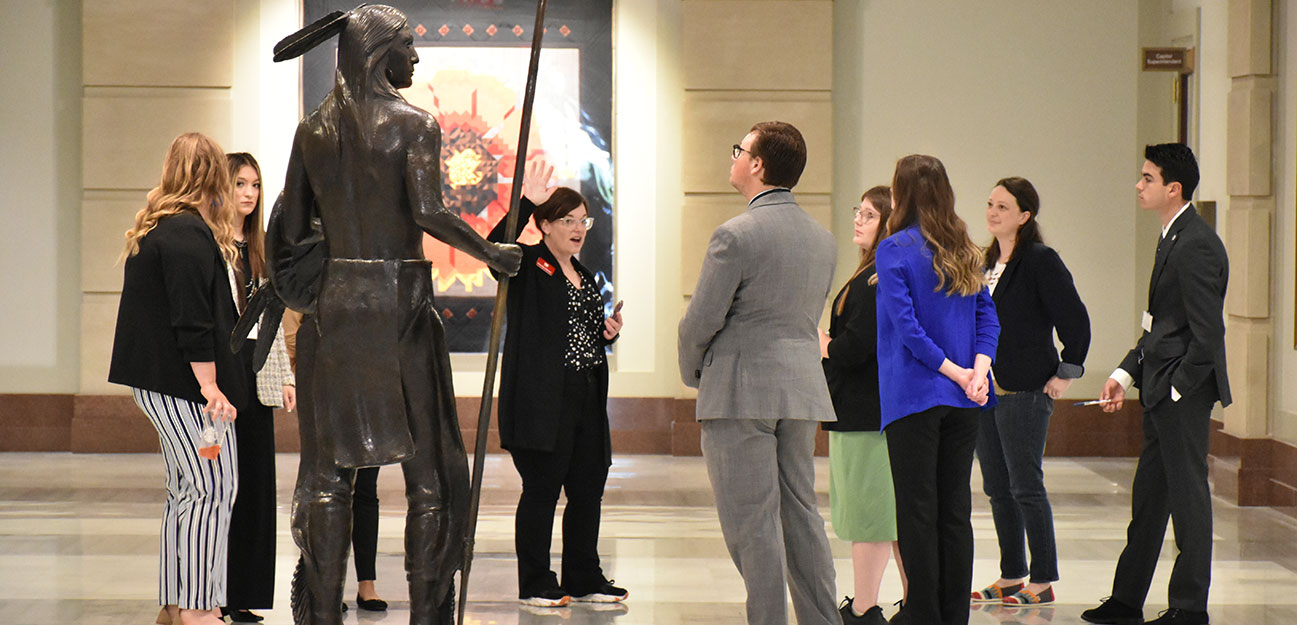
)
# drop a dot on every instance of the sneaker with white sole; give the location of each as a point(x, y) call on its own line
point(550, 598)
point(604, 594)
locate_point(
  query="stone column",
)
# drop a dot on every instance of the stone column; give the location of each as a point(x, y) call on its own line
point(747, 61)
point(151, 70)
point(1249, 216)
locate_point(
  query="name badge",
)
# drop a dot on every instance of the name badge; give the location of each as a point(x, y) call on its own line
point(549, 269)
point(1146, 322)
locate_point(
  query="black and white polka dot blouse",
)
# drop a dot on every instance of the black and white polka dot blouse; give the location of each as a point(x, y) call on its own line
point(584, 328)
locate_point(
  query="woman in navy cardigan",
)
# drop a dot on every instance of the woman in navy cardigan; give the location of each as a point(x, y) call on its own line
point(937, 334)
point(553, 412)
point(1034, 295)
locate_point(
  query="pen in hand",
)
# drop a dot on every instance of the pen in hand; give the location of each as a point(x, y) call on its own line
point(1096, 402)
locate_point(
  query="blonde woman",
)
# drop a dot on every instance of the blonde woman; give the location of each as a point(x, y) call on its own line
point(171, 346)
point(937, 334)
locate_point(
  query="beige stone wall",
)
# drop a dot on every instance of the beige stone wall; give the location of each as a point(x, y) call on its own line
point(747, 61)
point(152, 69)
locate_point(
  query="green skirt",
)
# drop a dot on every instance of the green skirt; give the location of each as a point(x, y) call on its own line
point(861, 499)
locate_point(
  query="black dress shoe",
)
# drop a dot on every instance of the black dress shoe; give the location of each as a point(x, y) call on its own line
point(372, 605)
point(1176, 616)
point(242, 616)
point(1113, 612)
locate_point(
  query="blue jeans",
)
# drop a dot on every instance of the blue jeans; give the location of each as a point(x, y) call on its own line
point(1010, 447)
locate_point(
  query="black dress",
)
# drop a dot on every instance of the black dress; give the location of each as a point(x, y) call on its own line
point(250, 577)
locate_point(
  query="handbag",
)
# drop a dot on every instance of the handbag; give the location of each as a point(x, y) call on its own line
point(275, 374)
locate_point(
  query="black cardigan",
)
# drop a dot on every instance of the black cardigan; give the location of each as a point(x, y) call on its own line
point(852, 366)
point(177, 308)
point(1034, 297)
point(531, 365)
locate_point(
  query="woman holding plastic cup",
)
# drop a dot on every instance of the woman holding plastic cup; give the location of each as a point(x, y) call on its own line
point(171, 347)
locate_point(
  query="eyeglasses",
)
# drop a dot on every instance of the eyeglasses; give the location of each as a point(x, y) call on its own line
point(738, 150)
point(571, 222)
point(862, 216)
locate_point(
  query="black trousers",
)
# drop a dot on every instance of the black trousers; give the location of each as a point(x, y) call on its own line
point(578, 466)
point(250, 574)
point(364, 523)
point(1170, 482)
point(932, 462)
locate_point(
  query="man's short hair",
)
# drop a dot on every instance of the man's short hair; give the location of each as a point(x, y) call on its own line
point(1177, 163)
point(782, 151)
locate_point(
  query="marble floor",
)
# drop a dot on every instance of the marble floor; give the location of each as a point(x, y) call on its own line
point(79, 534)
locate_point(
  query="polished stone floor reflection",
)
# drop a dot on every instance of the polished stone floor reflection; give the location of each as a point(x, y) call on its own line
point(79, 534)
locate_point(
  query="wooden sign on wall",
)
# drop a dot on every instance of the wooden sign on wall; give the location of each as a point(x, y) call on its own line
point(1168, 60)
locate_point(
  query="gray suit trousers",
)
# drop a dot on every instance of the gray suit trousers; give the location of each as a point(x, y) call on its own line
point(763, 476)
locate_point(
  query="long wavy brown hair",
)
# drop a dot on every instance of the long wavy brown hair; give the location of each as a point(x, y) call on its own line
point(921, 194)
point(880, 197)
point(254, 230)
point(194, 178)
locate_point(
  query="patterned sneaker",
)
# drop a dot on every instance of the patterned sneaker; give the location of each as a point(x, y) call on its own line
point(551, 598)
point(993, 593)
point(604, 594)
point(1026, 597)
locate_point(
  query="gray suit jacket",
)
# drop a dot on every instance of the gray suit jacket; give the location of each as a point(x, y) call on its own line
point(748, 341)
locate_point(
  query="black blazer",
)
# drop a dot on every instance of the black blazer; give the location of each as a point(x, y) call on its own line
point(1034, 298)
point(531, 365)
point(852, 366)
point(177, 308)
point(1186, 297)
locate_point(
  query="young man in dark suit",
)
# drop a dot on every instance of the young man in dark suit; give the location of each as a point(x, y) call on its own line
point(1179, 367)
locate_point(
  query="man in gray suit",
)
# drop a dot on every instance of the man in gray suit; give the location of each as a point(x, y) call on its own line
point(748, 343)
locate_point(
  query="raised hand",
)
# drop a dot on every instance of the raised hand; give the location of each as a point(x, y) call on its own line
point(535, 181)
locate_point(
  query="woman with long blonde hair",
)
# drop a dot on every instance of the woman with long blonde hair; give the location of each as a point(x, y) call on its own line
point(937, 334)
point(171, 346)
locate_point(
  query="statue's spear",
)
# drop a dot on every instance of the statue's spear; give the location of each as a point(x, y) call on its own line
point(497, 317)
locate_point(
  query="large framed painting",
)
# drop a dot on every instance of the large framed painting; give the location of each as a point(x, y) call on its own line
point(472, 71)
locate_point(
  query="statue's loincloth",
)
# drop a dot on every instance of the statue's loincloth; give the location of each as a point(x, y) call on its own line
point(366, 311)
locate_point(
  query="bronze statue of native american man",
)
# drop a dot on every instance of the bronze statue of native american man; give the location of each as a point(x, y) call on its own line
point(374, 384)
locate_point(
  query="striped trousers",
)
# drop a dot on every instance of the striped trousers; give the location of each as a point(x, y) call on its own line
point(200, 496)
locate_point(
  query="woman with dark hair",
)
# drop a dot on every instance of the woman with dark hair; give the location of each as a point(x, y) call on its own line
point(553, 412)
point(937, 333)
point(860, 477)
point(1034, 297)
point(171, 347)
point(251, 582)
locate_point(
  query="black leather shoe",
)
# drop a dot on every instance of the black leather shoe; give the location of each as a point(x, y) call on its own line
point(1176, 616)
point(1113, 612)
point(372, 605)
point(242, 616)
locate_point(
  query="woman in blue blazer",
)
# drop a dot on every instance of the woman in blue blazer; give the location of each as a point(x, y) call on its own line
point(1034, 296)
point(937, 334)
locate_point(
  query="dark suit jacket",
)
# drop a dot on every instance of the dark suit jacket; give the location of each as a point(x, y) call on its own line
point(177, 308)
point(852, 366)
point(531, 365)
point(1186, 297)
point(1034, 297)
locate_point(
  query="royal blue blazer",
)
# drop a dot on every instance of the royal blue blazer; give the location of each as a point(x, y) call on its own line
point(919, 327)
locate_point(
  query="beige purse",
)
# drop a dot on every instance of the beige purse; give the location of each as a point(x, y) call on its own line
point(275, 374)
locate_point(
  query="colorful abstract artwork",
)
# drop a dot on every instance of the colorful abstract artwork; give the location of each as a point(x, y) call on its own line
point(471, 77)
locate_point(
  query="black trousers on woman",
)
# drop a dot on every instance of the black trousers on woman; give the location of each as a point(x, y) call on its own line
point(250, 574)
point(578, 466)
point(932, 462)
point(364, 523)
